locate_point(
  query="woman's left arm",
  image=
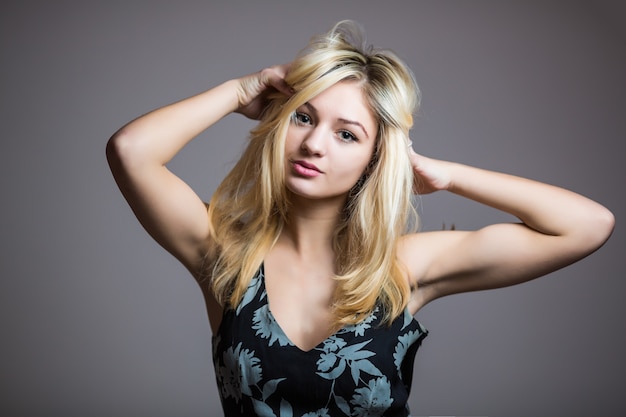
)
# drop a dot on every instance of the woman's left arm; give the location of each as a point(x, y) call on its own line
point(558, 227)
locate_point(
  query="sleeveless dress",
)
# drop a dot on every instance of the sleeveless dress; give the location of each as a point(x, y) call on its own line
point(362, 370)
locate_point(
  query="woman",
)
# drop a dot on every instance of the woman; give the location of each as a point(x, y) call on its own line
point(312, 221)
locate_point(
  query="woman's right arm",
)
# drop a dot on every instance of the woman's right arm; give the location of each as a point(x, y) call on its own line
point(170, 211)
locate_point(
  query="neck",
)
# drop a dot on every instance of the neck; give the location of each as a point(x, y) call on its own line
point(310, 227)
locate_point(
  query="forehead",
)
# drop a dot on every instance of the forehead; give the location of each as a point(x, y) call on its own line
point(345, 100)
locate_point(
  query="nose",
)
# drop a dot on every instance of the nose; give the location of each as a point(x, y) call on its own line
point(315, 141)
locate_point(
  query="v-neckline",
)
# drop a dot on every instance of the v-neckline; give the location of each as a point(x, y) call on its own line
point(281, 329)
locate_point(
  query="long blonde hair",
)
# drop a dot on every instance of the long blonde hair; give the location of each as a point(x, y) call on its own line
point(250, 207)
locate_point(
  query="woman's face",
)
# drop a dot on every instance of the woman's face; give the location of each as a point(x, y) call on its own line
point(330, 142)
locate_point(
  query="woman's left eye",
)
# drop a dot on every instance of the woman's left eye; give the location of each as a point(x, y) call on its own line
point(346, 136)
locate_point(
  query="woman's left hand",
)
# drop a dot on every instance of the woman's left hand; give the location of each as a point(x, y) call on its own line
point(430, 175)
point(556, 227)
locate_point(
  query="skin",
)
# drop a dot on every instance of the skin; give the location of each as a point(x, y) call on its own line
point(334, 132)
point(557, 227)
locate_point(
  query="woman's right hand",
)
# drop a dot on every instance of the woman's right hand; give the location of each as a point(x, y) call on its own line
point(254, 88)
point(138, 154)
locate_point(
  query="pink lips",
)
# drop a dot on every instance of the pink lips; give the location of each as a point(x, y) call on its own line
point(305, 169)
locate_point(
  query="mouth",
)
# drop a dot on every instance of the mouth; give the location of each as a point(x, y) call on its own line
point(305, 169)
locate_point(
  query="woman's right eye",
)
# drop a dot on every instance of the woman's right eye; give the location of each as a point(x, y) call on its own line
point(301, 118)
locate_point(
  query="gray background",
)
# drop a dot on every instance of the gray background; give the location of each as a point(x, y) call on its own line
point(97, 320)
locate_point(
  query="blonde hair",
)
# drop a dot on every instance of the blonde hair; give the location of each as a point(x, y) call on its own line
point(250, 207)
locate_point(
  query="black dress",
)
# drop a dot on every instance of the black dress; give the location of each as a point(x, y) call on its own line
point(362, 370)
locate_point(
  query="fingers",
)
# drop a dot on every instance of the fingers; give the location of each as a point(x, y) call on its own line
point(254, 90)
point(275, 77)
point(412, 154)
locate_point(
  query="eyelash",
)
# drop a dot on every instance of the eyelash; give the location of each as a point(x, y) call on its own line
point(297, 118)
point(352, 138)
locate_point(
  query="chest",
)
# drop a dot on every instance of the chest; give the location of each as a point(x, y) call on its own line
point(258, 366)
point(300, 300)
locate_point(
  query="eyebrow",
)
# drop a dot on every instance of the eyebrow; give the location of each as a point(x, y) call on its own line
point(341, 119)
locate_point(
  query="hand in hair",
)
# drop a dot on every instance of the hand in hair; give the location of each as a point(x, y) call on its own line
point(430, 175)
point(253, 90)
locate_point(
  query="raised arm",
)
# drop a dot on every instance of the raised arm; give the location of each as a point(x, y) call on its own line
point(558, 227)
point(170, 211)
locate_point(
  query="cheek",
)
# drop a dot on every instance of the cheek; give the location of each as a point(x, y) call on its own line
point(358, 169)
point(366, 161)
point(291, 141)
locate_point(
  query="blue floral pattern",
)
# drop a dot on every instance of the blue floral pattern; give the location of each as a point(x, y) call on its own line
point(363, 369)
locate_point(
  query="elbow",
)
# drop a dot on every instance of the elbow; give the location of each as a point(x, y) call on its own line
point(606, 223)
point(122, 151)
point(600, 224)
point(116, 150)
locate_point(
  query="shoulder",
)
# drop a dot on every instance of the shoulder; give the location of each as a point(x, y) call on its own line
point(426, 258)
point(421, 252)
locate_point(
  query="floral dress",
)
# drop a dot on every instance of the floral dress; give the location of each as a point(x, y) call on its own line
point(362, 370)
